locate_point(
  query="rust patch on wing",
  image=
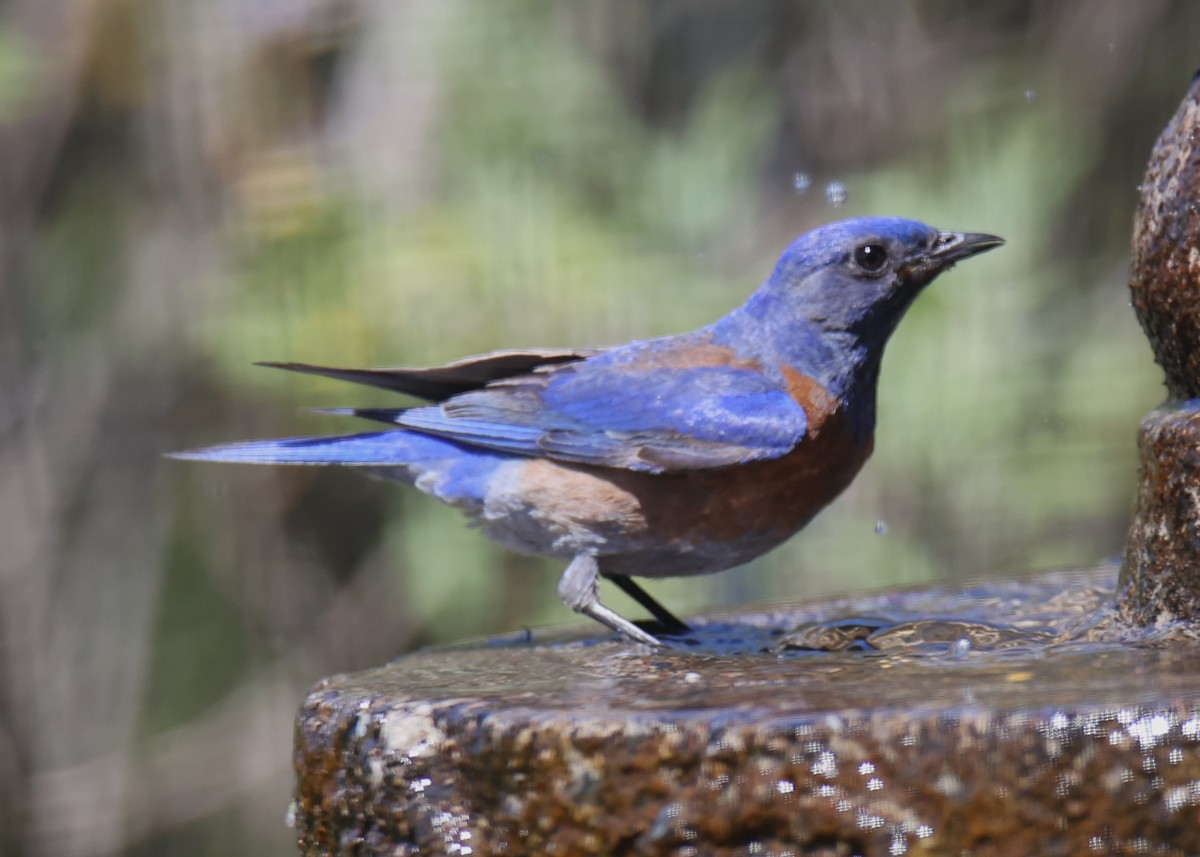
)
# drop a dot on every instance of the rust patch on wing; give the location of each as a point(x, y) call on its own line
point(816, 401)
point(699, 353)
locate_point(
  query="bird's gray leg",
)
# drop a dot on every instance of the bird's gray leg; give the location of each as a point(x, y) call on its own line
point(670, 623)
point(580, 590)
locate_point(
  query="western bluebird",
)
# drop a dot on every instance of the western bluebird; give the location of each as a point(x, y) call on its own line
point(680, 455)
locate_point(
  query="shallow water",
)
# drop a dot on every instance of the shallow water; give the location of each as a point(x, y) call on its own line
point(1058, 610)
point(1047, 640)
point(1067, 610)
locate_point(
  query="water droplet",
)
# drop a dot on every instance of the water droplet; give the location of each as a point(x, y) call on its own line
point(881, 528)
point(835, 194)
point(961, 648)
point(801, 182)
point(1030, 96)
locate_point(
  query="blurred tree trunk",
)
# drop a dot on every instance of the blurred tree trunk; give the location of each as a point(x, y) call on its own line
point(56, 33)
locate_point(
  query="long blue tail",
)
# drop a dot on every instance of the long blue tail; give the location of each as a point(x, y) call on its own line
point(395, 448)
point(452, 472)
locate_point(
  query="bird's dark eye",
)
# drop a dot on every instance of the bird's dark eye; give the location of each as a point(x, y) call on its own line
point(871, 257)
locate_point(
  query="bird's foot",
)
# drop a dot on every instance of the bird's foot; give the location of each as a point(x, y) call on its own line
point(580, 590)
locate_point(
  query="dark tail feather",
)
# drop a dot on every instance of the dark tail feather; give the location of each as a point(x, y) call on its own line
point(438, 383)
point(379, 415)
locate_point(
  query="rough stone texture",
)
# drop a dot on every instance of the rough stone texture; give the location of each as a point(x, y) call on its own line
point(1068, 744)
point(1165, 278)
point(1160, 578)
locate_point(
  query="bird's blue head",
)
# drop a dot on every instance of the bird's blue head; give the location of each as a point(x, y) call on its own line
point(860, 276)
point(835, 297)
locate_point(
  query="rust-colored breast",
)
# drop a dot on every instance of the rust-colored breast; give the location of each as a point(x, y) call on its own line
point(685, 522)
point(760, 504)
point(781, 495)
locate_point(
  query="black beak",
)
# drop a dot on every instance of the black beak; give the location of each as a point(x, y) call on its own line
point(951, 247)
point(948, 248)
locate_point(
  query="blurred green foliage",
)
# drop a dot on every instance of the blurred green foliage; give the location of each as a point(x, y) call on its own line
point(192, 187)
point(18, 73)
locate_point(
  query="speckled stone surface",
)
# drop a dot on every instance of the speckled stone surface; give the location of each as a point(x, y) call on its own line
point(1160, 578)
point(1062, 738)
point(1165, 276)
point(1161, 573)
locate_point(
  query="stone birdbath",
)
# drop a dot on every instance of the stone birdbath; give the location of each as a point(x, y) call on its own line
point(1054, 715)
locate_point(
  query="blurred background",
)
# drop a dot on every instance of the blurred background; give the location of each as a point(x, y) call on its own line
point(187, 186)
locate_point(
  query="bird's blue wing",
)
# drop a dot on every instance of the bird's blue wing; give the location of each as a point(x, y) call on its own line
point(657, 406)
